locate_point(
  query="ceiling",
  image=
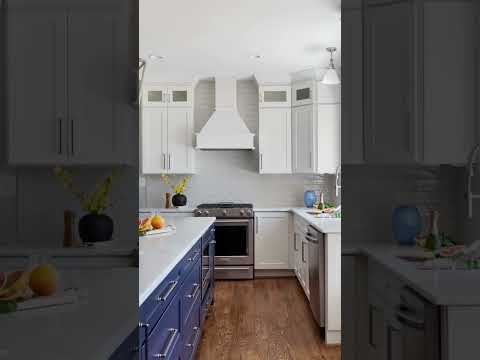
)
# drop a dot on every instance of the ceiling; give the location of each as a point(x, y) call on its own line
point(205, 38)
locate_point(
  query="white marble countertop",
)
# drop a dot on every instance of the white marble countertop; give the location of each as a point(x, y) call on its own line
point(159, 254)
point(92, 328)
point(325, 225)
point(441, 287)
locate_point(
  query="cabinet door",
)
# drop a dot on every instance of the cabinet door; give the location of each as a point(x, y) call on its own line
point(349, 294)
point(154, 95)
point(274, 96)
point(352, 87)
point(271, 241)
point(328, 138)
point(275, 144)
point(154, 146)
point(376, 328)
point(96, 80)
point(302, 128)
point(303, 93)
point(296, 254)
point(180, 96)
point(391, 134)
point(180, 141)
point(35, 72)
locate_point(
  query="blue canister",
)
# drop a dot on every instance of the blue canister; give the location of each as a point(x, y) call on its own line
point(406, 224)
point(309, 198)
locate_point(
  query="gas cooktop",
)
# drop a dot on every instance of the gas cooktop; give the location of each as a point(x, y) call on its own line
point(225, 210)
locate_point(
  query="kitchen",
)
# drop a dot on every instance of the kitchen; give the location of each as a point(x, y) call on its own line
point(237, 147)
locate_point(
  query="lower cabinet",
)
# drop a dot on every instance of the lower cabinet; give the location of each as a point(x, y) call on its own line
point(300, 254)
point(171, 319)
point(271, 240)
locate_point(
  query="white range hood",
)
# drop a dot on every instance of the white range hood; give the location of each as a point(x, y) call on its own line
point(225, 130)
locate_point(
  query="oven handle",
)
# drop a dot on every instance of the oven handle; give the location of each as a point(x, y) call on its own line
point(232, 221)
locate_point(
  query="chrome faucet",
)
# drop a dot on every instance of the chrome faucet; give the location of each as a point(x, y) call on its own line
point(470, 173)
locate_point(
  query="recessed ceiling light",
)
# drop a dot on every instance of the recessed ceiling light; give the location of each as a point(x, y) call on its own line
point(255, 56)
point(155, 57)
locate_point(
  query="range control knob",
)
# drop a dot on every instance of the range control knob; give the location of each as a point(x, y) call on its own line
point(206, 213)
point(242, 212)
point(224, 212)
point(198, 212)
point(249, 212)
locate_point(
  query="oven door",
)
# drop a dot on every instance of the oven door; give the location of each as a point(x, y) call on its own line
point(234, 242)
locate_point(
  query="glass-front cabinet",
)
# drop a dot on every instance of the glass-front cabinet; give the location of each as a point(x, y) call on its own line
point(167, 95)
point(303, 93)
point(274, 96)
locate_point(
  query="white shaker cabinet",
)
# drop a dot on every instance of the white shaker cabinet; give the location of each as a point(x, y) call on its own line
point(303, 144)
point(167, 130)
point(420, 95)
point(275, 130)
point(272, 240)
point(352, 83)
point(316, 131)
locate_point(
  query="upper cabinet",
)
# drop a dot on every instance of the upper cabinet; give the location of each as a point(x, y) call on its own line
point(303, 93)
point(70, 103)
point(420, 96)
point(352, 83)
point(316, 129)
point(274, 96)
point(155, 95)
point(275, 130)
point(167, 130)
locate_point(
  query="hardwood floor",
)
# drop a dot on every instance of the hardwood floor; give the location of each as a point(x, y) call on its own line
point(263, 319)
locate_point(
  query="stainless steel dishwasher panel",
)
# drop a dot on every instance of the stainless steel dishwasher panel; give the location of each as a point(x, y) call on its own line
point(316, 274)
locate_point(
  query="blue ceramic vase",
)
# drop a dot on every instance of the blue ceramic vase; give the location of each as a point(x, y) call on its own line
point(406, 224)
point(309, 198)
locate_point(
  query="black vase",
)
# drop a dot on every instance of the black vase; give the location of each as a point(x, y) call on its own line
point(95, 228)
point(179, 200)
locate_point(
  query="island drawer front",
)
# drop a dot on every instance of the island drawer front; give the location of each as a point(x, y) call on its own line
point(192, 333)
point(153, 308)
point(191, 291)
point(190, 259)
point(165, 339)
point(155, 305)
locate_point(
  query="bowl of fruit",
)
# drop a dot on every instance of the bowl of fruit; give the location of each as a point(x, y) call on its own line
point(154, 225)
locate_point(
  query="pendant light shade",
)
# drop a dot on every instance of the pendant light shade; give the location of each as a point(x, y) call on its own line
point(331, 76)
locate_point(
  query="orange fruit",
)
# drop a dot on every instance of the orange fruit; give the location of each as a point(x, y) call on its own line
point(44, 280)
point(158, 222)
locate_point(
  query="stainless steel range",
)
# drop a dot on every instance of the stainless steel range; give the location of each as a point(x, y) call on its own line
point(234, 236)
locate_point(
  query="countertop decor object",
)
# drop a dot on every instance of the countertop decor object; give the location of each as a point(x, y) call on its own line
point(309, 198)
point(95, 226)
point(406, 224)
point(179, 199)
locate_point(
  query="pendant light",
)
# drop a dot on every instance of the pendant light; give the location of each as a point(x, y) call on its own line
point(331, 76)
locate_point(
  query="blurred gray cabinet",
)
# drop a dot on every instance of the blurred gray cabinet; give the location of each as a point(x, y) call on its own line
point(67, 69)
point(352, 83)
point(419, 83)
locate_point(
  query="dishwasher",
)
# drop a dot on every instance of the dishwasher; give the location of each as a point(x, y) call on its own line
point(316, 273)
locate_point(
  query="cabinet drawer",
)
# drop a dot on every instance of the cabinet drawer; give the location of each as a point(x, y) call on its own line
point(190, 259)
point(164, 340)
point(191, 332)
point(191, 290)
point(153, 308)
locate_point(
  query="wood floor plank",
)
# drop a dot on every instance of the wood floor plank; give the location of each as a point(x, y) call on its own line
point(263, 319)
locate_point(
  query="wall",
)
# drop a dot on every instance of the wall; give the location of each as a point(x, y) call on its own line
point(371, 193)
point(233, 175)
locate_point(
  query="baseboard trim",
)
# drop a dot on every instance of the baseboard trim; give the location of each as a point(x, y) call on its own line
point(274, 273)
